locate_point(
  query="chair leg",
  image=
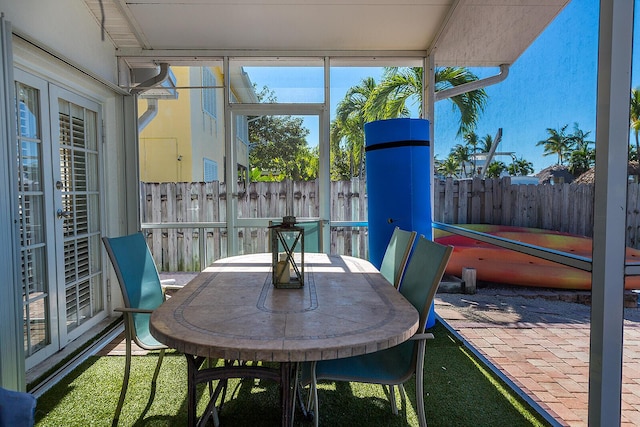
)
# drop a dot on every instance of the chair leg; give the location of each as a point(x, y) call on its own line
point(422, 419)
point(392, 399)
point(157, 371)
point(295, 392)
point(403, 394)
point(316, 404)
point(125, 381)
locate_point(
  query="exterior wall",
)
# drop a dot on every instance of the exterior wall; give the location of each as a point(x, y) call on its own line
point(182, 130)
point(208, 131)
point(66, 26)
point(165, 143)
point(93, 75)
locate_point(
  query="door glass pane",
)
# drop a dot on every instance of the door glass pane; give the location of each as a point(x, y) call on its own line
point(35, 297)
point(30, 178)
point(81, 214)
point(31, 217)
point(35, 294)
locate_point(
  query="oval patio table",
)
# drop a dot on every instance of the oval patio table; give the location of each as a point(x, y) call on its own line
point(232, 311)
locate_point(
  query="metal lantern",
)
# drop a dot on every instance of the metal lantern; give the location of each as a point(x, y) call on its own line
point(286, 239)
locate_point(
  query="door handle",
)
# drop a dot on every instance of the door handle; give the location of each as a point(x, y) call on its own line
point(63, 214)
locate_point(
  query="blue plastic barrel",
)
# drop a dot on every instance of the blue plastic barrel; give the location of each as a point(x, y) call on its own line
point(398, 182)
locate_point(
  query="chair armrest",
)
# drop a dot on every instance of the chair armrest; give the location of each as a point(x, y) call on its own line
point(425, 336)
point(133, 310)
point(172, 287)
point(170, 284)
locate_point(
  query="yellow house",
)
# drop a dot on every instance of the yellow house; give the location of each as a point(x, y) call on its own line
point(182, 137)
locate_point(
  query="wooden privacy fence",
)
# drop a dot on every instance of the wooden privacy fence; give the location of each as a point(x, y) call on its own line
point(179, 249)
point(560, 207)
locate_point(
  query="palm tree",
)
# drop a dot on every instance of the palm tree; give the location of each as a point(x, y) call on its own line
point(582, 157)
point(486, 143)
point(472, 142)
point(462, 154)
point(448, 167)
point(402, 85)
point(558, 143)
point(520, 167)
point(495, 168)
point(634, 117)
point(348, 126)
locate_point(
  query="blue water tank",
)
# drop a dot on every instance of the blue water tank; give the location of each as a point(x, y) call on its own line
point(398, 182)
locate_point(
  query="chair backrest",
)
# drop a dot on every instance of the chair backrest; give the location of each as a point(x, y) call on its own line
point(419, 285)
point(137, 275)
point(423, 274)
point(396, 255)
point(312, 234)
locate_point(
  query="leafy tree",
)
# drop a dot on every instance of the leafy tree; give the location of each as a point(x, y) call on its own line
point(448, 167)
point(462, 155)
point(633, 153)
point(471, 138)
point(520, 167)
point(582, 157)
point(401, 85)
point(369, 101)
point(558, 143)
point(279, 146)
point(495, 168)
point(485, 143)
point(256, 175)
point(340, 164)
point(634, 117)
point(347, 129)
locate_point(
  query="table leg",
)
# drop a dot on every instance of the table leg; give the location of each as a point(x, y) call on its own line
point(195, 375)
point(192, 370)
point(287, 399)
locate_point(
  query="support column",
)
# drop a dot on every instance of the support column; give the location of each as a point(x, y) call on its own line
point(612, 136)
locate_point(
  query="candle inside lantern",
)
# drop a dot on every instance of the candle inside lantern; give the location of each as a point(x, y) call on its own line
point(283, 269)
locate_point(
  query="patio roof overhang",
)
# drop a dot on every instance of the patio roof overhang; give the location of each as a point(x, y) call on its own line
point(458, 32)
point(451, 33)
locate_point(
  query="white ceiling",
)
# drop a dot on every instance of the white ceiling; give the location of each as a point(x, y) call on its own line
point(461, 33)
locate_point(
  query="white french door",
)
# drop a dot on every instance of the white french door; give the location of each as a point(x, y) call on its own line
point(59, 201)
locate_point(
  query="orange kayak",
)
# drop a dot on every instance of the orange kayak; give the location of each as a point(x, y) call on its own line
point(499, 265)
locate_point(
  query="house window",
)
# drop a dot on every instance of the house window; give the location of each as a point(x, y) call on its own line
point(210, 170)
point(208, 92)
point(242, 129)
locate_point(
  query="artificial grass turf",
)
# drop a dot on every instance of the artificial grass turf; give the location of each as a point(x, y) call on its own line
point(459, 391)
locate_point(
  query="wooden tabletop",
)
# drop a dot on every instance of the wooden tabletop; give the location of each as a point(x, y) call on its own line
point(232, 311)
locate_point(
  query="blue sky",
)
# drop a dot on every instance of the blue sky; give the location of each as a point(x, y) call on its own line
point(551, 85)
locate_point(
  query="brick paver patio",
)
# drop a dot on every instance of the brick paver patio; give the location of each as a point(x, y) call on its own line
point(542, 344)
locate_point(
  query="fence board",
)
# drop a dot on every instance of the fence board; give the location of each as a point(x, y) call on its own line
point(450, 199)
point(171, 254)
point(546, 205)
point(561, 207)
point(463, 201)
point(476, 200)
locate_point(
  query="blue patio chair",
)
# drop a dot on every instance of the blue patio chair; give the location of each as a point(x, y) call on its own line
point(396, 255)
point(17, 409)
point(395, 365)
point(394, 263)
point(142, 293)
